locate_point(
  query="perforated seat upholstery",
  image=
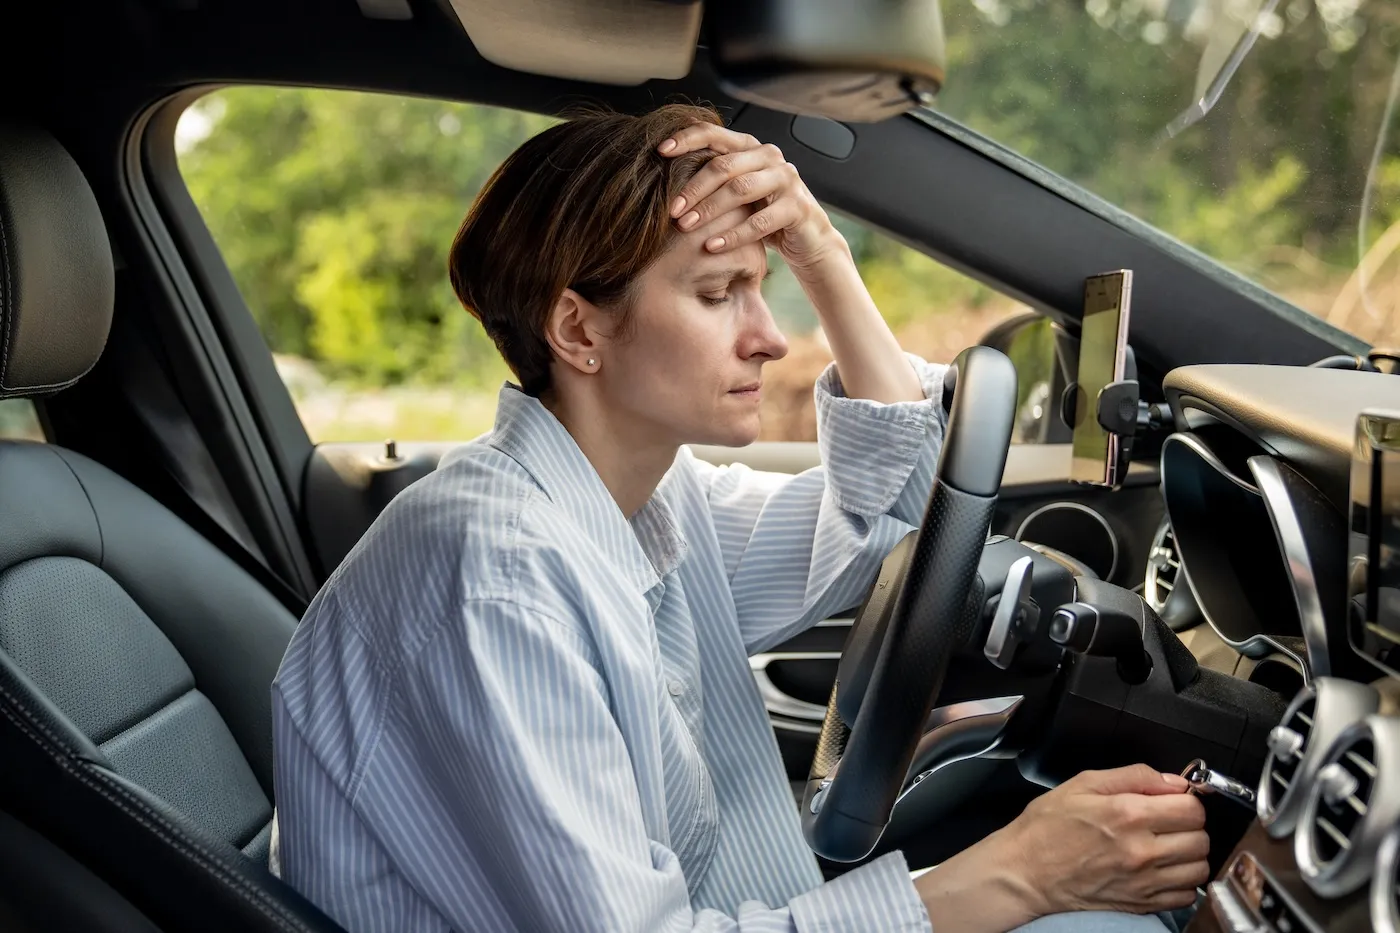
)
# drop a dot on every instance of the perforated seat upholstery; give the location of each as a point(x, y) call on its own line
point(136, 659)
point(156, 648)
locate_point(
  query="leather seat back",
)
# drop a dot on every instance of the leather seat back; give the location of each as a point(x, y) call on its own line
point(136, 659)
point(156, 648)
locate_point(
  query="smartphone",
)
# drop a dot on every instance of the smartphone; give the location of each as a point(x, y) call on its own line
point(1103, 342)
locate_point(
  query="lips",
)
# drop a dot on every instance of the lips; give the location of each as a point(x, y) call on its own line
point(747, 391)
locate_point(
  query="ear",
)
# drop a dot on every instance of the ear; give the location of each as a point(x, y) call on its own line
point(574, 331)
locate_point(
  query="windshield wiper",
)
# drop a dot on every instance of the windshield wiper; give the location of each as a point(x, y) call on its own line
point(1211, 96)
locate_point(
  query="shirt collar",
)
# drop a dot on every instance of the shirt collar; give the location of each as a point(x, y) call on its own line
point(646, 548)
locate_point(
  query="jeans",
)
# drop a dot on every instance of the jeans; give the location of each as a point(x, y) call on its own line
point(1099, 921)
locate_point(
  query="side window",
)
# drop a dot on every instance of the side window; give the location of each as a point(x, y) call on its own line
point(19, 421)
point(335, 210)
point(935, 311)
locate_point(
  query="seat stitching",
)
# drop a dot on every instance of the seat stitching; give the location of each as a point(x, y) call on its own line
point(5, 301)
point(151, 819)
point(8, 311)
point(158, 824)
point(96, 520)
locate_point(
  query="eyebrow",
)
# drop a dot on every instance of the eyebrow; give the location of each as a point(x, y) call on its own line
point(728, 275)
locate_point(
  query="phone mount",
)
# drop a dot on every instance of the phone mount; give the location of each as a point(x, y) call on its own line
point(1119, 410)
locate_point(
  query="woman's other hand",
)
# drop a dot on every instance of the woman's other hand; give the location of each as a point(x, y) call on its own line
point(1130, 840)
point(784, 214)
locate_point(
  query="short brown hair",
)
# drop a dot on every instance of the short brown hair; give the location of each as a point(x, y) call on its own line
point(582, 205)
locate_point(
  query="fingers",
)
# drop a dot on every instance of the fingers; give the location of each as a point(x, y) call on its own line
point(1187, 876)
point(706, 136)
point(1160, 815)
point(727, 173)
point(751, 188)
point(1185, 848)
point(1134, 779)
point(776, 216)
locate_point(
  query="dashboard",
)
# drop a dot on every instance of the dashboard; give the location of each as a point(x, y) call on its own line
point(1258, 486)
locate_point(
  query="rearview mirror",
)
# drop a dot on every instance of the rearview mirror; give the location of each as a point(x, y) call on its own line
point(843, 59)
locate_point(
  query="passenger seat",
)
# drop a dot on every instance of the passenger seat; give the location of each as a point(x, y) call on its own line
point(136, 659)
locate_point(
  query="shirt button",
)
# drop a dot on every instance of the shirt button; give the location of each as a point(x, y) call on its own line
point(675, 687)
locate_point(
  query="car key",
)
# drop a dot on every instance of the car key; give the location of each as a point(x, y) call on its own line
point(1203, 780)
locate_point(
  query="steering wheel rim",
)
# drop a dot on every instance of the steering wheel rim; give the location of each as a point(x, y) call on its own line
point(916, 617)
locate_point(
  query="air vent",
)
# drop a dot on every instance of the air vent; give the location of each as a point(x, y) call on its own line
point(1349, 808)
point(1163, 567)
point(1345, 787)
point(1288, 744)
point(1315, 718)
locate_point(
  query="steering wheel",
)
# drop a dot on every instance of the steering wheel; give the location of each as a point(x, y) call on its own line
point(917, 614)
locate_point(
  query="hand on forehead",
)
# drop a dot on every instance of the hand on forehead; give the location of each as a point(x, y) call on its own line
point(746, 194)
point(749, 259)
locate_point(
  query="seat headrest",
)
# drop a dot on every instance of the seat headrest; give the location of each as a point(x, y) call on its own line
point(57, 282)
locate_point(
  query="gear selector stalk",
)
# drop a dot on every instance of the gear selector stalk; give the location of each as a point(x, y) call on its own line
point(1103, 632)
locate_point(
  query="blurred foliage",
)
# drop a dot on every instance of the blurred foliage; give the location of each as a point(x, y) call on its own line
point(1269, 182)
point(335, 210)
point(18, 420)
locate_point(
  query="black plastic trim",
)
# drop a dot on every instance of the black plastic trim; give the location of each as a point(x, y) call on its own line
point(229, 425)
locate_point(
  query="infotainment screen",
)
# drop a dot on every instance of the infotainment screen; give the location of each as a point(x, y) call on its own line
point(1373, 577)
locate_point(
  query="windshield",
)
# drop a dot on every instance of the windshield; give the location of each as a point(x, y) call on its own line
point(1260, 132)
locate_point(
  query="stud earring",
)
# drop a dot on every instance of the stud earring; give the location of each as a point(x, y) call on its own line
point(592, 362)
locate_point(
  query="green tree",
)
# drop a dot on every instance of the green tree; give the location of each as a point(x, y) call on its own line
point(335, 211)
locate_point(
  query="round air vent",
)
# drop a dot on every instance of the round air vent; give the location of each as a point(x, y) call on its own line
point(1163, 566)
point(1385, 885)
point(1165, 587)
point(1353, 802)
point(1318, 714)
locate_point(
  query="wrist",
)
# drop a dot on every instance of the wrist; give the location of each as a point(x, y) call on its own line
point(983, 889)
point(827, 254)
point(1017, 857)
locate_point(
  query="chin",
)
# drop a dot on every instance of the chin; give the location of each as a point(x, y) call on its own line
point(740, 433)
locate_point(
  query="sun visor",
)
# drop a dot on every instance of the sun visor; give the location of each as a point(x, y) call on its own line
point(623, 42)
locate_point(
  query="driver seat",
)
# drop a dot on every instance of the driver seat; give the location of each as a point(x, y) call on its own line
point(136, 659)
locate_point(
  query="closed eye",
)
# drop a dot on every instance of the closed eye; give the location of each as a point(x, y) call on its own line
point(715, 299)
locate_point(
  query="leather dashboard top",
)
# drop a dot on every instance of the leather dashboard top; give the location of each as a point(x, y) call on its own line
point(1304, 416)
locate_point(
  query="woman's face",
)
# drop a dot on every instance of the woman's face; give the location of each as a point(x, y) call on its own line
point(691, 369)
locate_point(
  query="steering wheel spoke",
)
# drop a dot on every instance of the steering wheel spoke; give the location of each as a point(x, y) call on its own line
point(915, 618)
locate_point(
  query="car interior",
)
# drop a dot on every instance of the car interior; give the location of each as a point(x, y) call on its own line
point(1218, 605)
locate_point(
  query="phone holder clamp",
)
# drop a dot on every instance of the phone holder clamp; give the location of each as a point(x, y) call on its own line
point(1119, 410)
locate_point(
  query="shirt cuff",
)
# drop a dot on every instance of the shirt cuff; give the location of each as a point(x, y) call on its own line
point(871, 449)
point(876, 896)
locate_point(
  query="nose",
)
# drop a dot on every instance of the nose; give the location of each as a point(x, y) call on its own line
point(760, 337)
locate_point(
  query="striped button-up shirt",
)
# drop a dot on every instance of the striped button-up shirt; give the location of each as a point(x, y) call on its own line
point(513, 708)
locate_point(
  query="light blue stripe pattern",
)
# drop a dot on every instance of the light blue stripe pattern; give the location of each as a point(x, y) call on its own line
point(511, 708)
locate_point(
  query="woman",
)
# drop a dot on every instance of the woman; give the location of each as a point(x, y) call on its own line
point(523, 701)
